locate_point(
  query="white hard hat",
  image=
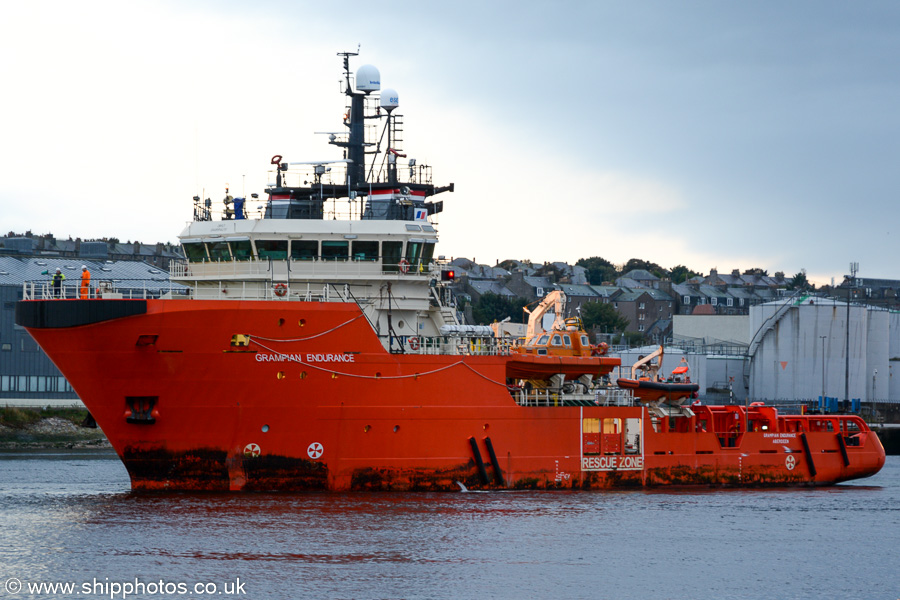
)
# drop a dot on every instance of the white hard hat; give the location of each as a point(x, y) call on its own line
point(83, 267)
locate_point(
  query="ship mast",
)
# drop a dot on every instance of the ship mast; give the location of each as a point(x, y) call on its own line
point(355, 144)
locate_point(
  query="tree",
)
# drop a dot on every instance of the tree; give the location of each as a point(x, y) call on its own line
point(509, 264)
point(602, 316)
point(492, 307)
point(799, 281)
point(680, 274)
point(549, 271)
point(598, 269)
point(756, 271)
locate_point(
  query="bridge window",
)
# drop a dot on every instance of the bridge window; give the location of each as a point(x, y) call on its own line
point(414, 251)
point(428, 251)
point(195, 251)
point(241, 248)
point(567, 340)
point(391, 253)
point(363, 250)
point(335, 249)
point(218, 250)
point(274, 249)
point(304, 249)
point(557, 341)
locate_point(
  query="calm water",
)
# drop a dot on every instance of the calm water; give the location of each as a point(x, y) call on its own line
point(71, 518)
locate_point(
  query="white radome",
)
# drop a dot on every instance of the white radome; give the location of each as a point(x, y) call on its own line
point(368, 79)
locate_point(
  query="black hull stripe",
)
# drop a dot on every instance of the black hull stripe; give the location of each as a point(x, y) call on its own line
point(53, 314)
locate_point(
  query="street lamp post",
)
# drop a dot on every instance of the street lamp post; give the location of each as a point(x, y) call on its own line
point(874, 376)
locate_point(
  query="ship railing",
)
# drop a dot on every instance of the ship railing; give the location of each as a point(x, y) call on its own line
point(284, 292)
point(605, 396)
point(284, 270)
point(447, 345)
point(103, 289)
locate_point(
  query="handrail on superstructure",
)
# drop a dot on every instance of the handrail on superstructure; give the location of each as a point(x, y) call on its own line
point(42, 289)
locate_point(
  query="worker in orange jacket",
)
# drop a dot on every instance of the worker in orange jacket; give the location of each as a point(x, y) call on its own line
point(85, 282)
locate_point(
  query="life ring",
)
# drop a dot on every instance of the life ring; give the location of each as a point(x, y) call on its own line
point(404, 265)
point(276, 159)
point(413, 343)
point(280, 289)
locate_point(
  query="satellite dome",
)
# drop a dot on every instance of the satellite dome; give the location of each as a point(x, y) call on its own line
point(368, 79)
point(389, 100)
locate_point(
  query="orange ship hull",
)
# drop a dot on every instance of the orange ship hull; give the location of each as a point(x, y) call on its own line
point(268, 395)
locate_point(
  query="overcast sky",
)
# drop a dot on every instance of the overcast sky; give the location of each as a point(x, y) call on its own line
point(711, 134)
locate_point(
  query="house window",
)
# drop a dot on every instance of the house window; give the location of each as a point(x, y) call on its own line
point(640, 316)
point(687, 300)
point(701, 301)
point(731, 302)
point(641, 306)
point(714, 301)
point(740, 301)
point(640, 328)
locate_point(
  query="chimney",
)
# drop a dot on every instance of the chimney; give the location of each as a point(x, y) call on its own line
point(665, 285)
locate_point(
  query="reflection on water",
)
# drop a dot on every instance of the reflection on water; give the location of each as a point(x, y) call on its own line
point(71, 517)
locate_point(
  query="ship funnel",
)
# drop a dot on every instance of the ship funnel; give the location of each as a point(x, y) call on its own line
point(368, 79)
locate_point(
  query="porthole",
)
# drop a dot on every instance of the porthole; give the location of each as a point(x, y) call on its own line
point(280, 375)
point(265, 429)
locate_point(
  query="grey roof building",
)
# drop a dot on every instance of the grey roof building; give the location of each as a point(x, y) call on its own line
point(638, 278)
point(159, 255)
